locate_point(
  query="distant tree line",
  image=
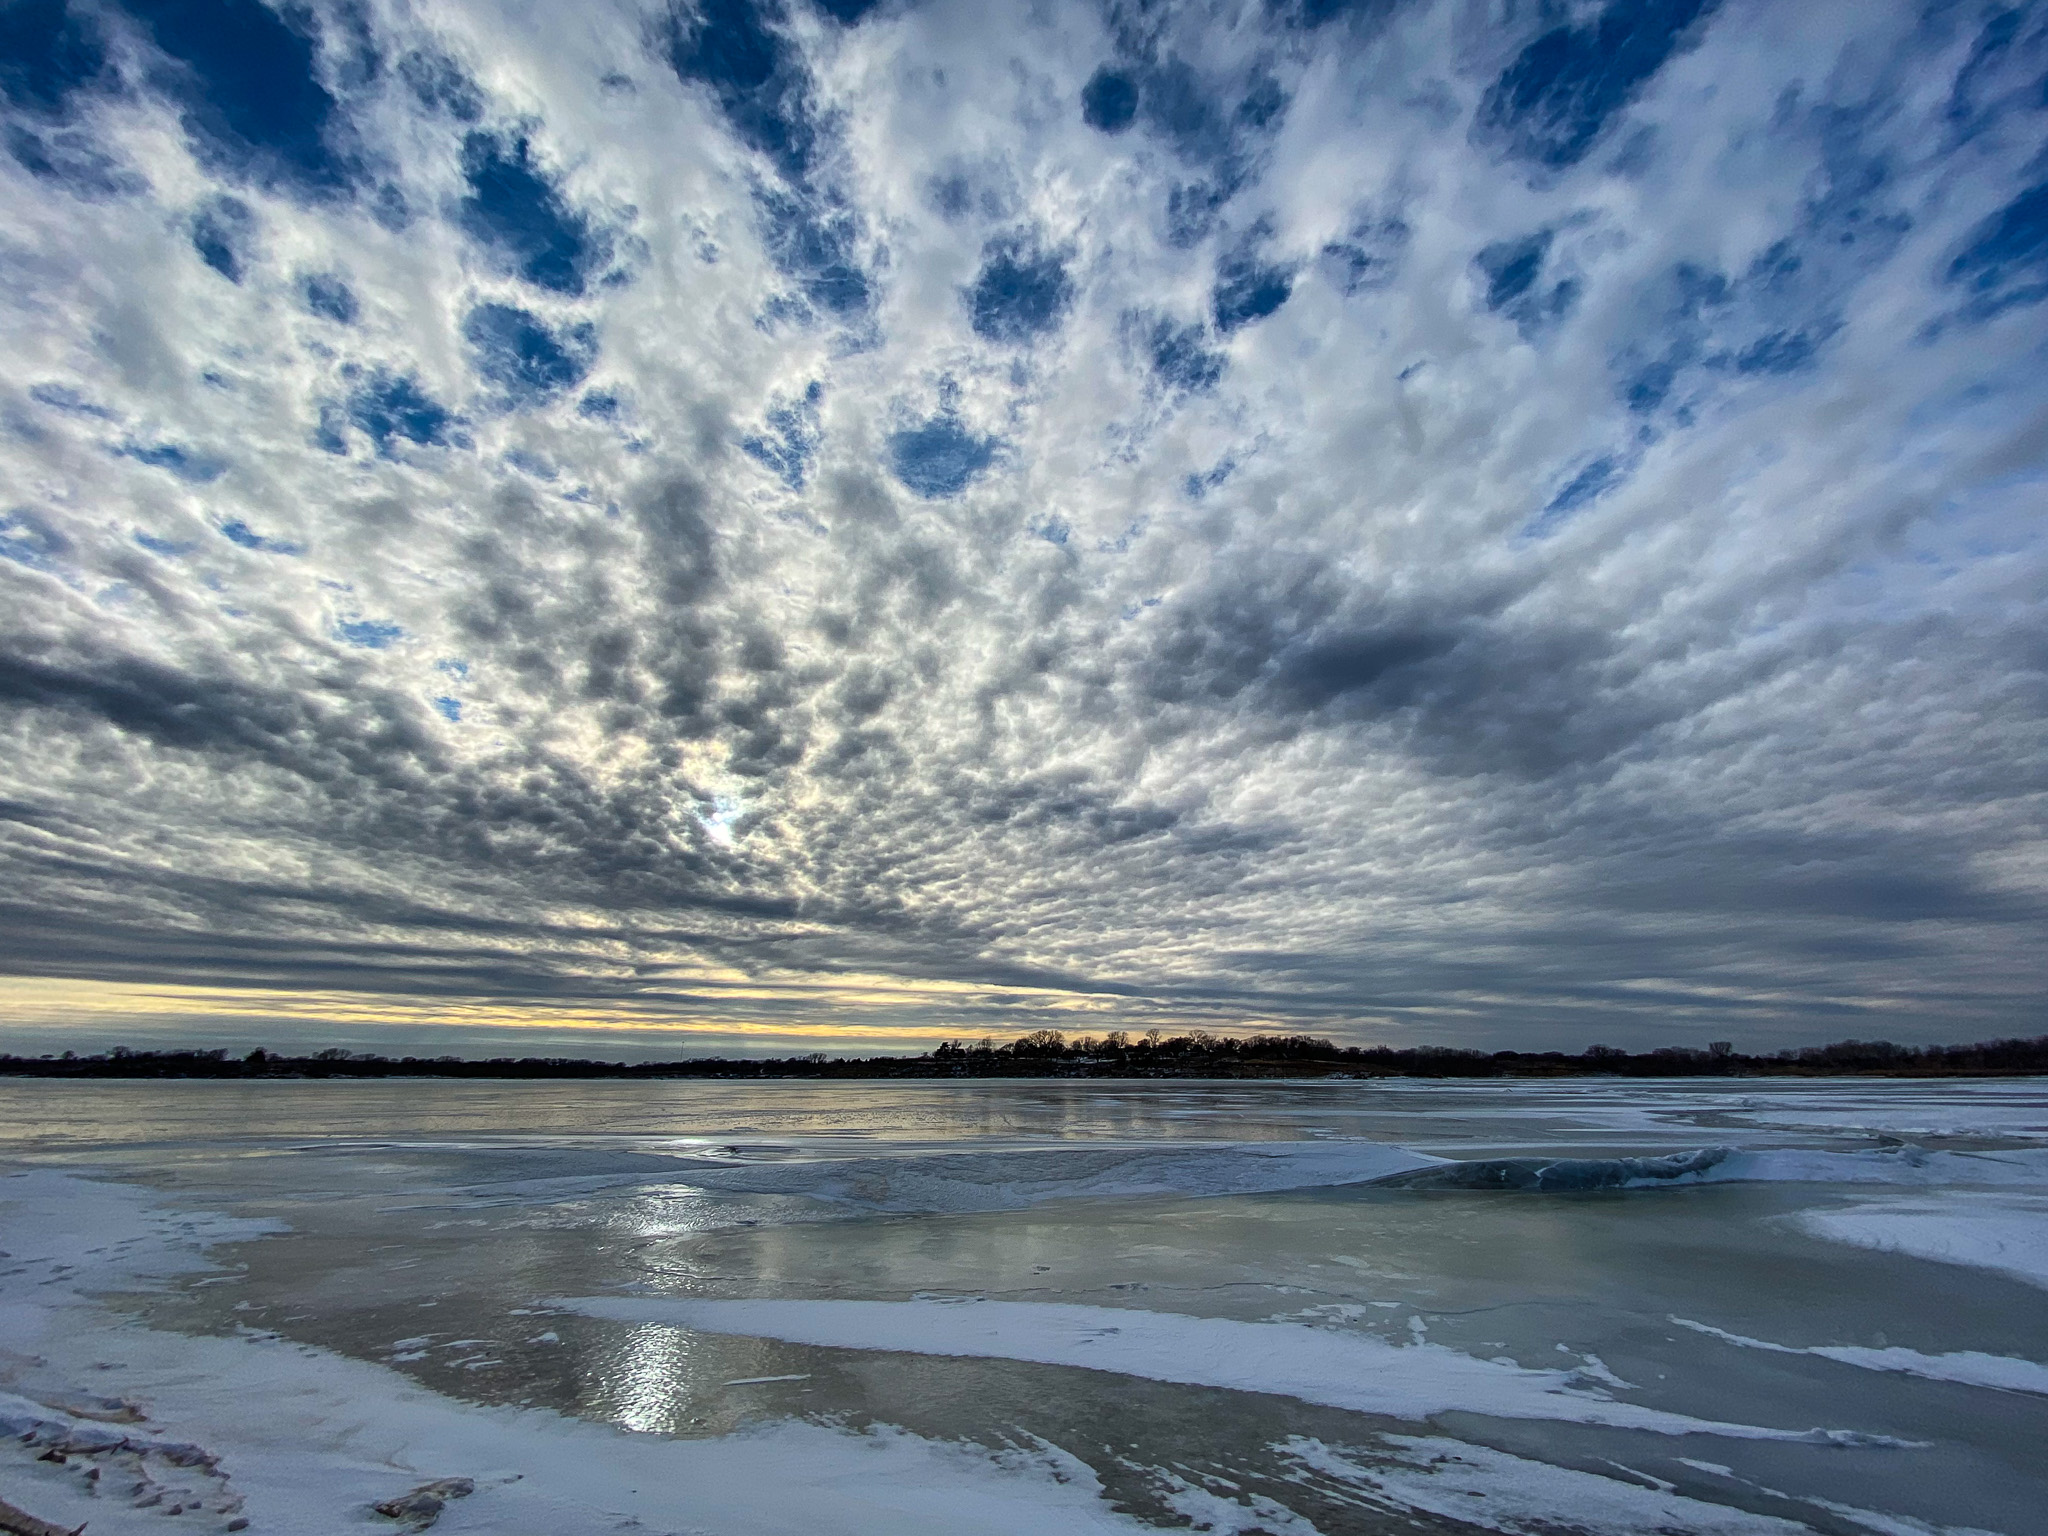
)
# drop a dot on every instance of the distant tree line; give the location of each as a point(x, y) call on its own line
point(1049, 1053)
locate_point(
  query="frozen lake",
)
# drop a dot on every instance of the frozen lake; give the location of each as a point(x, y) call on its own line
point(1029, 1306)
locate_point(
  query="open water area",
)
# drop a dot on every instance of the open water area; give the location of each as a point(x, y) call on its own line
point(1339, 1307)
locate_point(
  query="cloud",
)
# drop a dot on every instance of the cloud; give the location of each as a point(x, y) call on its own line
point(763, 517)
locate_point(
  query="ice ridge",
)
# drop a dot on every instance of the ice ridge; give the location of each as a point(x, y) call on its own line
point(1896, 1165)
point(1549, 1173)
point(1013, 1180)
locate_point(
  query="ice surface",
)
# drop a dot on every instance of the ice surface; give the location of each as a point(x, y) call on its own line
point(1013, 1179)
point(1925, 1108)
point(1905, 1165)
point(2006, 1233)
point(1318, 1365)
point(1018, 1178)
point(1971, 1367)
point(1859, 1519)
point(307, 1440)
point(1440, 1476)
point(1399, 1323)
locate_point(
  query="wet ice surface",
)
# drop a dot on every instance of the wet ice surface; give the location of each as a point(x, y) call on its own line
point(1237, 1307)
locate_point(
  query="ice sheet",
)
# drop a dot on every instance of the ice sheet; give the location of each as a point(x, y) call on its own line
point(1907, 1108)
point(2004, 1232)
point(302, 1428)
point(1900, 1165)
point(1446, 1477)
point(1318, 1365)
point(305, 1440)
point(1015, 1178)
point(1906, 1165)
point(1971, 1367)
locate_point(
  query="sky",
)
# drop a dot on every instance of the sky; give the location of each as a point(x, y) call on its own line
point(769, 525)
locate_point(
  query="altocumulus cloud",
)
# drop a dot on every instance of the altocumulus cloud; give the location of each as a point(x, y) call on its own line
point(1401, 521)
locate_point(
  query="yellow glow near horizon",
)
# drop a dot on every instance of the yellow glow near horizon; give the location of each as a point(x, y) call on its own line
point(846, 1012)
point(58, 1002)
point(842, 1011)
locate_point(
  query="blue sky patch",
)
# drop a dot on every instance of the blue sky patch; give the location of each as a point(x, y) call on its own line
point(449, 709)
point(1368, 256)
point(530, 463)
point(330, 297)
point(1020, 294)
point(249, 83)
point(331, 435)
point(68, 158)
point(1779, 352)
point(224, 234)
point(1673, 332)
point(736, 52)
point(791, 441)
point(1587, 486)
point(812, 239)
point(529, 361)
point(48, 53)
point(1263, 103)
point(1196, 486)
point(27, 540)
point(170, 549)
point(1248, 289)
point(1109, 101)
point(2005, 72)
point(939, 459)
point(1513, 270)
point(235, 531)
point(393, 407)
point(189, 465)
point(1649, 384)
point(2005, 262)
point(1180, 106)
point(1555, 100)
point(370, 634)
point(1191, 209)
point(438, 84)
point(62, 397)
point(515, 210)
point(1183, 360)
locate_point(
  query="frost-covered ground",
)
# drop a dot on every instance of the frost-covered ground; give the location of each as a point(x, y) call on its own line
point(1285, 1308)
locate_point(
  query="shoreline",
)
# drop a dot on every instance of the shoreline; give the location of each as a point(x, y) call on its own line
point(1116, 1058)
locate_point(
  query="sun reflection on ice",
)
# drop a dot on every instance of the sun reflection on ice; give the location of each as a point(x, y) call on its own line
point(647, 1390)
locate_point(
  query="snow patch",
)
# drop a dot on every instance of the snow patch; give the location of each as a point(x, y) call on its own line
point(2004, 1233)
point(1499, 1492)
point(1317, 1365)
point(1970, 1367)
